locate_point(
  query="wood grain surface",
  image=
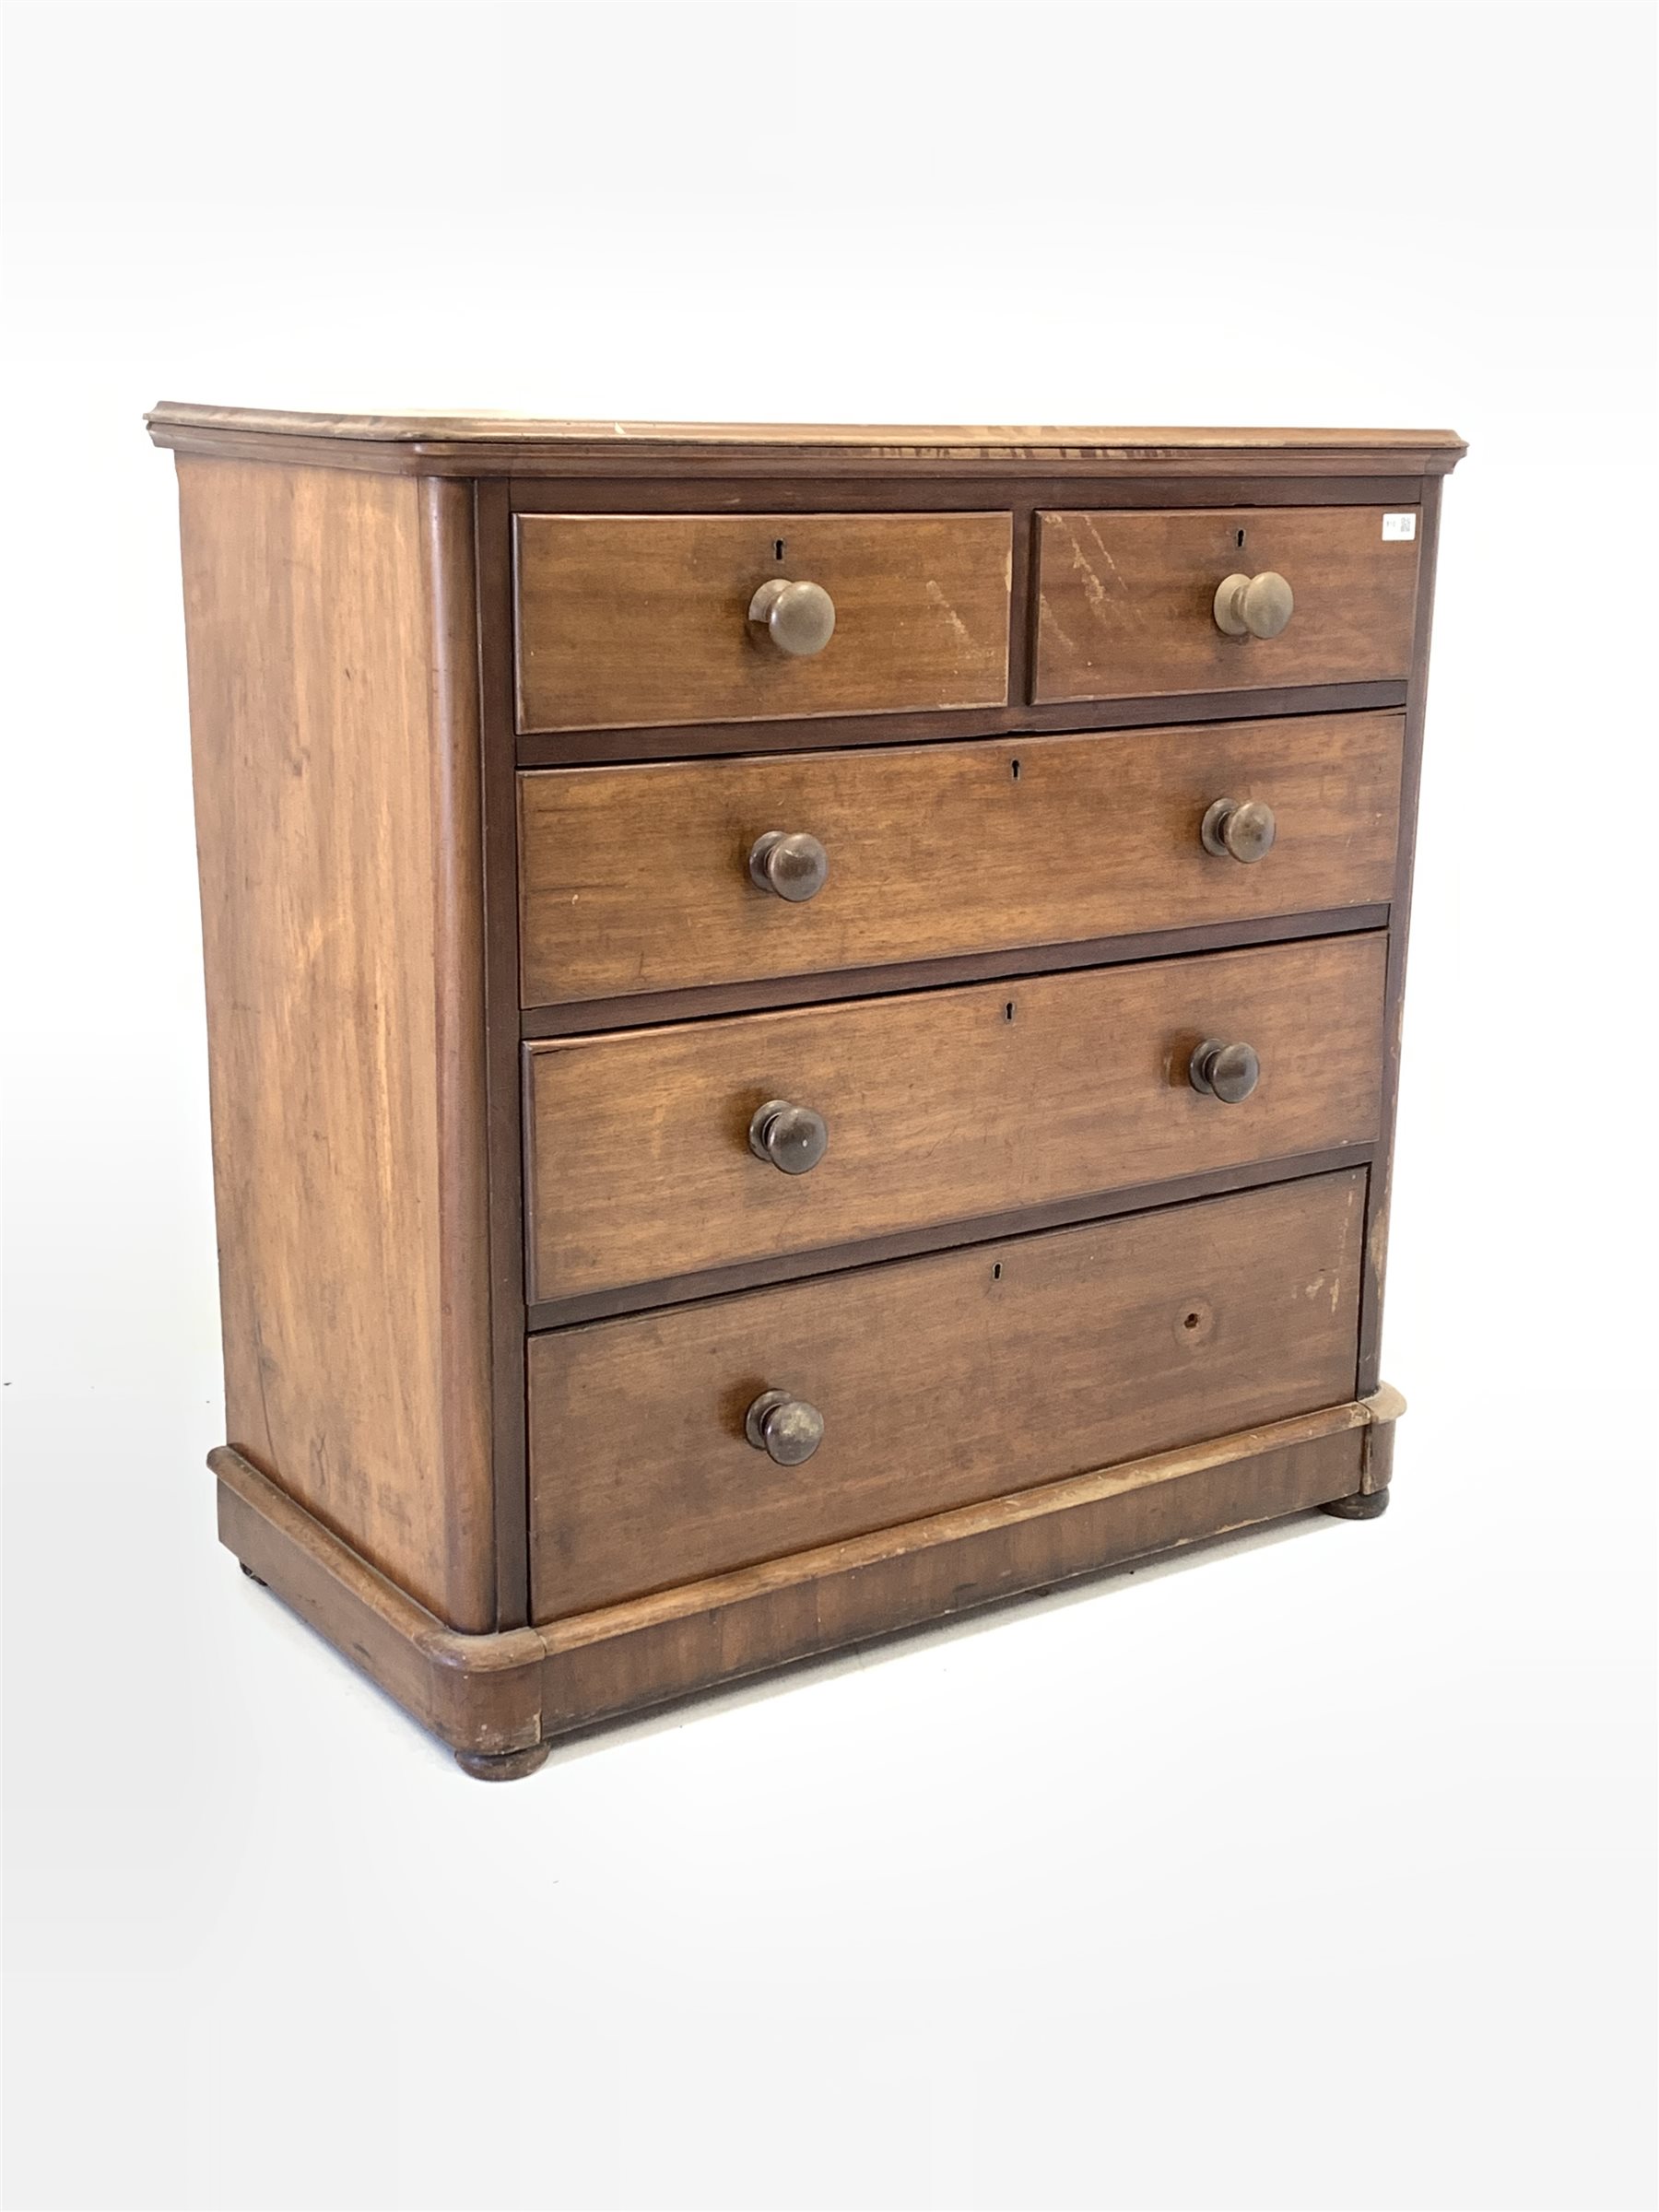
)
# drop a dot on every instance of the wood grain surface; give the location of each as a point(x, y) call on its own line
point(1126, 601)
point(941, 1382)
point(635, 619)
point(942, 1105)
point(332, 674)
point(636, 879)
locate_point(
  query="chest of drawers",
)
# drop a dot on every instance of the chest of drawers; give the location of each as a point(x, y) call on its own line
point(803, 1023)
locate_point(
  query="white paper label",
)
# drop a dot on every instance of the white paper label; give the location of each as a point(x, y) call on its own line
point(1399, 526)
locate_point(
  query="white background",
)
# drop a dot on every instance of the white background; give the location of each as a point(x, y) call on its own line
point(1315, 1875)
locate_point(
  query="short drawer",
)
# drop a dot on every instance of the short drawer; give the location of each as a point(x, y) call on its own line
point(1127, 603)
point(938, 1381)
point(632, 621)
point(653, 878)
point(940, 1106)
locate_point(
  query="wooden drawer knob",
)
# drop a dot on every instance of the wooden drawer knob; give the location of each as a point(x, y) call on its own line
point(785, 1429)
point(1253, 606)
point(1240, 830)
point(792, 1137)
point(790, 863)
point(1228, 1072)
point(798, 619)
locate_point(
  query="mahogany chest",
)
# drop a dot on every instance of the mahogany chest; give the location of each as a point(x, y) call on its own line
point(803, 1023)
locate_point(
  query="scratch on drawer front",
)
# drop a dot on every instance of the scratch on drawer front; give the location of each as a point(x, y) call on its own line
point(955, 620)
point(1094, 587)
point(1094, 591)
point(1051, 621)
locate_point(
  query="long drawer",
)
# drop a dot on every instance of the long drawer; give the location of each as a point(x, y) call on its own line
point(651, 1152)
point(1128, 603)
point(634, 620)
point(931, 1384)
point(640, 879)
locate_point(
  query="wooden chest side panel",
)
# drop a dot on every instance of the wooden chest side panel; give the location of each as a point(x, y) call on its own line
point(334, 726)
point(942, 1382)
point(943, 1106)
point(1126, 601)
point(635, 621)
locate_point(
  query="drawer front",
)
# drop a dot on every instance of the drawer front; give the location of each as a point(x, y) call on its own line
point(638, 880)
point(941, 1382)
point(1126, 603)
point(941, 1106)
point(631, 621)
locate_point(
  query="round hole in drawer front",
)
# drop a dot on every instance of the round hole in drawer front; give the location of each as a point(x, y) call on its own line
point(1194, 1322)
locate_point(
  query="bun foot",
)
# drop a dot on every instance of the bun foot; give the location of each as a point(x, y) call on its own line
point(1365, 1505)
point(252, 1576)
point(502, 1766)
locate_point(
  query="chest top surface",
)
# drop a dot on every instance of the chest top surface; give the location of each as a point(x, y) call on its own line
point(480, 442)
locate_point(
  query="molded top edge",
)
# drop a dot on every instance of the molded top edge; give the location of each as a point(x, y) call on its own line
point(889, 441)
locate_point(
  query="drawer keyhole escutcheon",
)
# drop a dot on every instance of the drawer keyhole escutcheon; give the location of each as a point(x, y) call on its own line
point(798, 619)
point(1253, 606)
point(1240, 830)
point(790, 863)
point(792, 1137)
point(787, 1430)
point(1228, 1072)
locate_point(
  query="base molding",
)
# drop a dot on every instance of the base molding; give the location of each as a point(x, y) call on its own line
point(495, 1699)
point(480, 1694)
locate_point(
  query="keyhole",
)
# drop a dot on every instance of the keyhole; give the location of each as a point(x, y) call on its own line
point(1015, 766)
point(1008, 1011)
point(997, 1273)
point(777, 546)
point(1240, 541)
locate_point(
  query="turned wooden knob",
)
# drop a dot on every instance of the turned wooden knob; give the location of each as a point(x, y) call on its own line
point(792, 1137)
point(1228, 1072)
point(1253, 606)
point(1240, 830)
point(798, 619)
point(790, 863)
point(785, 1429)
